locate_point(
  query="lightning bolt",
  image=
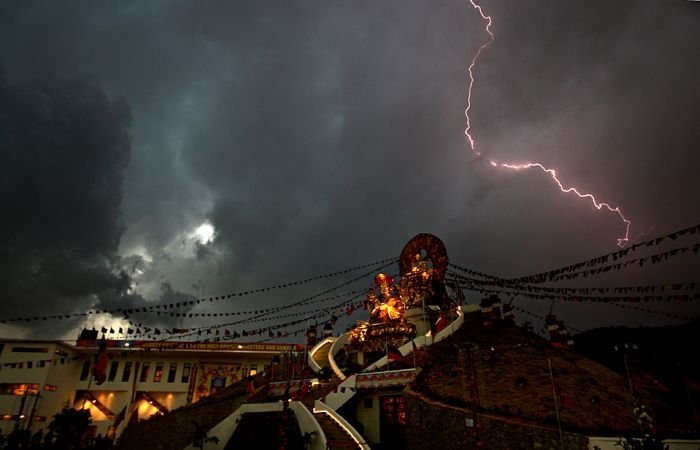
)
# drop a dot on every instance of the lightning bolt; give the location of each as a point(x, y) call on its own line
point(488, 20)
point(621, 241)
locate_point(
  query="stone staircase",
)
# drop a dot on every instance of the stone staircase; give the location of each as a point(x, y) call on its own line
point(342, 393)
point(267, 430)
point(320, 356)
point(320, 391)
point(157, 432)
point(336, 436)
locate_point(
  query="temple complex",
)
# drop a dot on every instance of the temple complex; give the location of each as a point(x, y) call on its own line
point(429, 368)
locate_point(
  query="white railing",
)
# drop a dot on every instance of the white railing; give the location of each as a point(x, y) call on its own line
point(451, 328)
point(309, 424)
point(225, 429)
point(344, 392)
point(340, 420)
point(335, 348)
point(420, 341)
point(312, 362)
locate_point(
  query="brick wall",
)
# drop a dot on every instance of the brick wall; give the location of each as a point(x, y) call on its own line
point(433, 425)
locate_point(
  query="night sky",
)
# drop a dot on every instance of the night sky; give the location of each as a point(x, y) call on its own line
point(157, 152)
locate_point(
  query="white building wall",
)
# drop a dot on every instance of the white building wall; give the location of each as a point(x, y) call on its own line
point(48, 370)
point(367, 410)
point(64, 372)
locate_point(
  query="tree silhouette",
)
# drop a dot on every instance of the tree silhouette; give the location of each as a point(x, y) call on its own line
point(200, 436)
point(69, 426)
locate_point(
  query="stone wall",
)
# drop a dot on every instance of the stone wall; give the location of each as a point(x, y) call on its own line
point(432, 424)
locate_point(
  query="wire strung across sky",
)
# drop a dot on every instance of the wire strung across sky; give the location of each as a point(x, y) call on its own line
point(666, 287)
point(188, 313)
point(307, 316)
point(591, 299)
point(155, 307)
point(179, 333)
point(548, 275)
point(666, 290)
point(300, 302)
point(472, 281)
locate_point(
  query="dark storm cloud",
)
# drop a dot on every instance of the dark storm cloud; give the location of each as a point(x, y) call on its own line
point(375, 149)
point(330, 136)
point(65, 146)
point(314, 136)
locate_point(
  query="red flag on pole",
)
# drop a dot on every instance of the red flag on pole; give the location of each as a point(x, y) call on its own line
point(394, 354)
point(101, 361)
point(251, 387)
point(440, 324)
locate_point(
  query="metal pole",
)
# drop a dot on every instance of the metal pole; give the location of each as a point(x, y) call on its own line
point(21, 407)
point(556, 403)
point(627, 374)
point(31, 414)
point(90, 377)
point(386, 349)
point(306, 348)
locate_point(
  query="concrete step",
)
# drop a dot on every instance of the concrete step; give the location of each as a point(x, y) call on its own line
point(336, 436)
